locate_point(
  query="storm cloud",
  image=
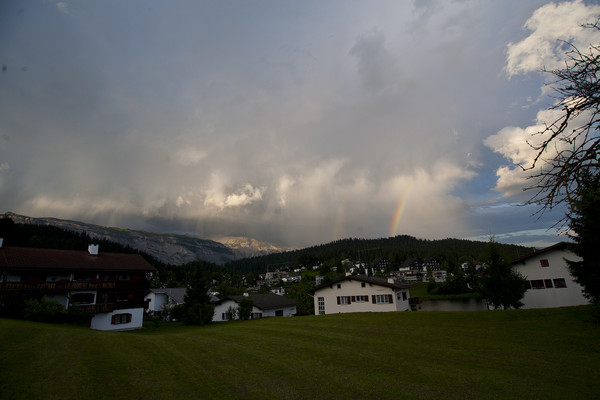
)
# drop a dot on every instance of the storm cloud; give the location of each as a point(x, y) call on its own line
point(295, 123)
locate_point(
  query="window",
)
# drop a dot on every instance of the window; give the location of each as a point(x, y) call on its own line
point(123, 296)
point(255, 315)
point(382, 299)
point(560, 283)
point(82, 276)
point(83, 298)
point(343, 300)
point(124, 277)
point(360, 299)
point(339, 286)
point(537, 284)
point(548, 283)
point(279, 313)
point(321, 302)
point(118, 319)
point(362, 284)
point(544, 263)
point(403, 295)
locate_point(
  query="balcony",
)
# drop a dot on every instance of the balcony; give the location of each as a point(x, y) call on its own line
point(59, 285)
point(94, 308)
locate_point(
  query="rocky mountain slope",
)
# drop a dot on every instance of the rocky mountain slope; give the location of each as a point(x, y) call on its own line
point(169, 248)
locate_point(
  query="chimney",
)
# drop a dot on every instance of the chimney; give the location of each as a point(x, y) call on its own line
point(93, 249)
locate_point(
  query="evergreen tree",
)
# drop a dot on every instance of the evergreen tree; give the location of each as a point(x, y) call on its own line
point(245, 308)
point(584, 222)
point(501, 286)
point(198, 308)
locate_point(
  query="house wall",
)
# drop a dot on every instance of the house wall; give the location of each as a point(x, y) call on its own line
point(355, 288)
point(571, 295)
point(104, 321)
point(222, 308)
point(157, 301)
point(287, 311)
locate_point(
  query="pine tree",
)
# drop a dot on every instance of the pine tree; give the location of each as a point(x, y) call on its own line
point(198, 308)
point(501, 286)
point(584, 222)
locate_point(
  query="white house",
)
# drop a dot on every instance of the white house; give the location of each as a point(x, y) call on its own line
point(549, 283)
point(263, 305)
point(161, 300)
point(361, 293)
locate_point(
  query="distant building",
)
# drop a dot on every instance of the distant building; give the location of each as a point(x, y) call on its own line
point(361, 293)
point(263, 305)
point(110, 285)
point(160, 301)
point(549, 283)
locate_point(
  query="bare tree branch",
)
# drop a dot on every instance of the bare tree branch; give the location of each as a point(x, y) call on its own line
point(568, 153)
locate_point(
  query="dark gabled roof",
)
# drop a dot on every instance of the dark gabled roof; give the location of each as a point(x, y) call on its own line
point(266, 301)
point(379, 260)
point(410, 262)
point(557, 246)
point(367, 279)
point(61, 260)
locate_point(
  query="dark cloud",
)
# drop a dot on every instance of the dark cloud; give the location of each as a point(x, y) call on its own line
point(296, 124)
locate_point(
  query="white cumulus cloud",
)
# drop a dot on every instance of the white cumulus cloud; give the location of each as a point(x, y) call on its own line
point(551, 25)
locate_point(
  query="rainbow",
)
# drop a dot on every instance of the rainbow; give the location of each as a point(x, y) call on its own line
point(398, 214)
point(338, 228)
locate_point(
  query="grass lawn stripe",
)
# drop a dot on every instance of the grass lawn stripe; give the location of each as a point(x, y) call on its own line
point(514, 354)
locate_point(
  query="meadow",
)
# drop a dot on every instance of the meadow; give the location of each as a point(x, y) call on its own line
point(516, 354)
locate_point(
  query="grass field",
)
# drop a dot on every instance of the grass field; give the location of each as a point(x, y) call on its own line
point(517, 354)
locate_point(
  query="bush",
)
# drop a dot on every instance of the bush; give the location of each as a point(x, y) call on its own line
point(75, 316)
point(177, 312)
point(13, 305)
point(43, 311)
point(199, 314)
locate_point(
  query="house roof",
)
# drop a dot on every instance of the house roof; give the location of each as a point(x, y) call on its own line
point(367, 279)
point(557, 246)
point(50, 259)
point(176, 294)
point(266, 301)
point(410, 262)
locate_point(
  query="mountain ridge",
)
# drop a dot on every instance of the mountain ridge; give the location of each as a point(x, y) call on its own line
point(170, 248)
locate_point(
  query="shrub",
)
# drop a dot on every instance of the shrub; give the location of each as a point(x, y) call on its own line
point(177, 312)
point(199, 314)
point(43, 311)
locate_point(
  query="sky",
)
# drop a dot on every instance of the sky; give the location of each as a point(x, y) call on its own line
point(291, 122)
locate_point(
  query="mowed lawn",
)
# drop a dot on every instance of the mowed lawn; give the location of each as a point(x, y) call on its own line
point(517, 354)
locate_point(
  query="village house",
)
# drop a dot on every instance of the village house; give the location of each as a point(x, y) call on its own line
point(110, 285)
point(263, 305)
point(549, 283)
point(160, 301)
point(361, 293)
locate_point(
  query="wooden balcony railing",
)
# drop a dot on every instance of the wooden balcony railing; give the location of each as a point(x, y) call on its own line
point(68, 285)
point(95, 308)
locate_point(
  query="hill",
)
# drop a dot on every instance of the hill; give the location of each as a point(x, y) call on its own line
point(410, 355)
point(243, 255)
point(167, 248)
point(396, 249)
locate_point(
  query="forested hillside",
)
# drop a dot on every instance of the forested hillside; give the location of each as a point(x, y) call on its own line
point(396, 249)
